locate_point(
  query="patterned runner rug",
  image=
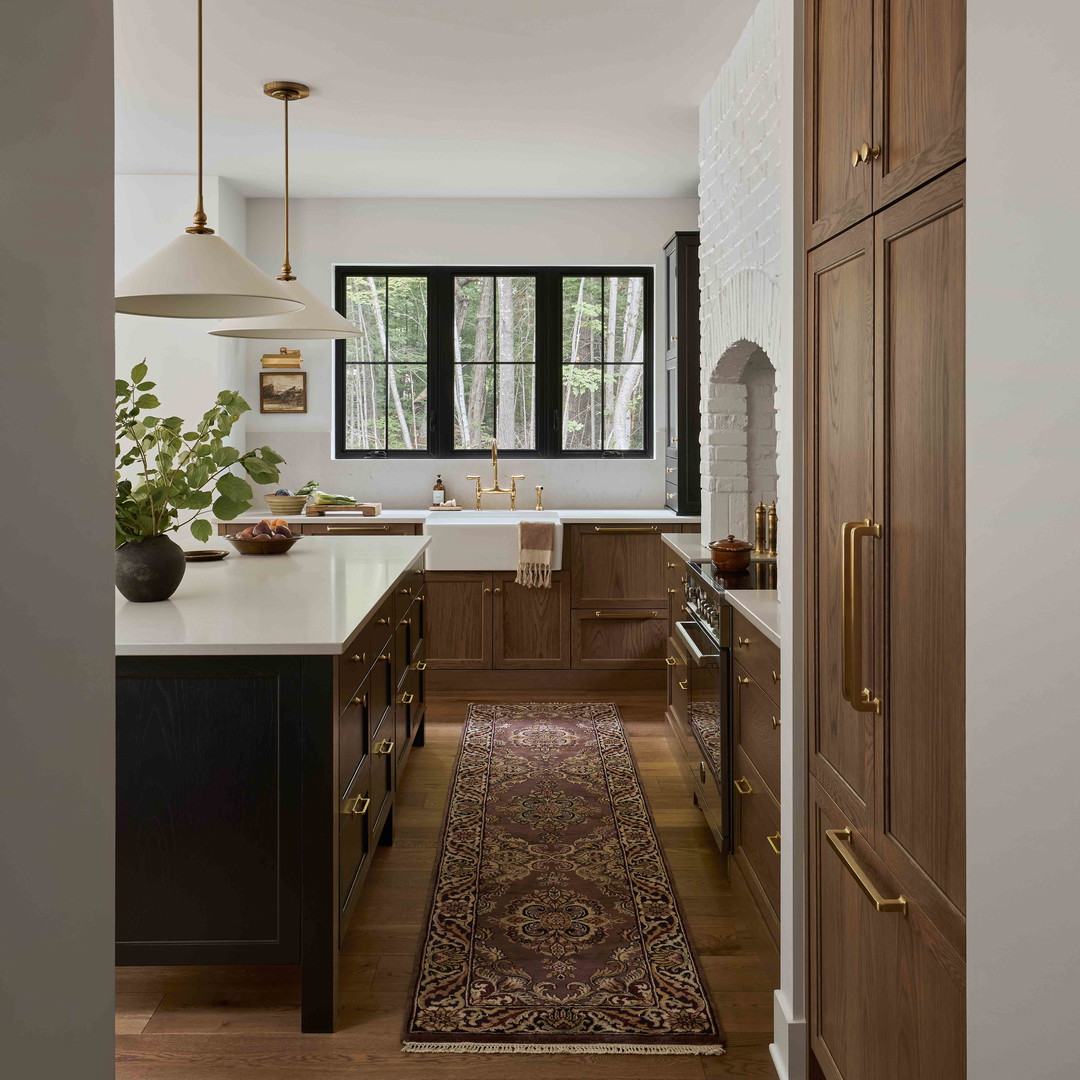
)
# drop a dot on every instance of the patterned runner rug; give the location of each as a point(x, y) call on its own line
point(553, 925)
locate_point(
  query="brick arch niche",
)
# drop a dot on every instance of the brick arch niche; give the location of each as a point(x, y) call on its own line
point(739, 440)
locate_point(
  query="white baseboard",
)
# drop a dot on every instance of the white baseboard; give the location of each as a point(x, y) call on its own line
point(788, 1048)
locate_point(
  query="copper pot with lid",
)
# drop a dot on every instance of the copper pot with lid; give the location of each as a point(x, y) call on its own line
point(730, 554)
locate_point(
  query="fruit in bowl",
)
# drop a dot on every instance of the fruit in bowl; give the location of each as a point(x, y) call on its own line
point(270, 536)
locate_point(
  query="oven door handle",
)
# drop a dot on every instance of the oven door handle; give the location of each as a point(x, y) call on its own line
point(696, 654)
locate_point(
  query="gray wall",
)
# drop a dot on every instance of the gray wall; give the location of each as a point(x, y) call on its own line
point(1023, 417)
point(56, 721)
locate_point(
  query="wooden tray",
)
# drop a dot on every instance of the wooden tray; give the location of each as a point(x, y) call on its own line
point(364, 509)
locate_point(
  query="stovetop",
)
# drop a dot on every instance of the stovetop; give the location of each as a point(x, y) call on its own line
point(761, 575)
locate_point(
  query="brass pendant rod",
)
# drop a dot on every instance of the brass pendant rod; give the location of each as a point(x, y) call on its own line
point(286, 268)
point(199, 218)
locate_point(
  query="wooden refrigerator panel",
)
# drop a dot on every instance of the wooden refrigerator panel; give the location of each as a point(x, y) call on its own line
point(920, 345)
point(840, 367)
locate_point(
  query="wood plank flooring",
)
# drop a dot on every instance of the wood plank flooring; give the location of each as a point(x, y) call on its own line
point(213, 1023)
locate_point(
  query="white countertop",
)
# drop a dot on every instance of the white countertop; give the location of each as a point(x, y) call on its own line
point(418, 517)
point(306, 602)
point(760, 606)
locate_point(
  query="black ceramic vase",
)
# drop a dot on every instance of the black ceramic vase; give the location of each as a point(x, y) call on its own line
point(149, 569)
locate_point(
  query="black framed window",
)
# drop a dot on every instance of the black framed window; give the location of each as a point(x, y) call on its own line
point(547, 361)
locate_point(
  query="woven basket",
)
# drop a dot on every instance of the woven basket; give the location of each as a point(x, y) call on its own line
point(283, 505)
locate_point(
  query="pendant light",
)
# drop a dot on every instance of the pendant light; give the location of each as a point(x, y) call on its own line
point(198, 275)
point(317, 320)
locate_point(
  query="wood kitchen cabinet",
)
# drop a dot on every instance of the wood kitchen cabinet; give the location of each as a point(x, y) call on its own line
point(886, 593)
point(619, 566)
point(622, 638)
point(459, 619)
point(890, 75)
point(531, 627)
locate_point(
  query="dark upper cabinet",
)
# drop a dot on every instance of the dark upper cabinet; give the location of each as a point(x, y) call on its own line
point(682, 362)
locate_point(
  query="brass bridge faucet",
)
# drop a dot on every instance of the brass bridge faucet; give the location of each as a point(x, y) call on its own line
point(495, 489)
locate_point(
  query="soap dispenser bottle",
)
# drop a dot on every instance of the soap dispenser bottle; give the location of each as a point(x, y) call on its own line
point(438, 492)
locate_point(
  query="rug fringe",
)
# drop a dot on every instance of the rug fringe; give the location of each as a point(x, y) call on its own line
point(557, 1048)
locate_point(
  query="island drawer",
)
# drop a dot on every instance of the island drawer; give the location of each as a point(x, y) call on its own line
point(380, 691)
point(757, 832)
point(354, 832)
point(352, 665)
point(356, 528)
point(383, 764)
point(757, 654)
point(412, 585)
point(380, 627)
point(353, 734)
point(757, 728)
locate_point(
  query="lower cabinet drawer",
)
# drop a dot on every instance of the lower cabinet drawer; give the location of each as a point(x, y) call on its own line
point(352, 665)
point(757, 728)
point(354, 833)
point(380, 691)
point(353, 733)
point(383, 764)
point(757, 832)
point(757, 654)
point(619, 638)
point(406, 712)
point(380, 628)
point(356, 528)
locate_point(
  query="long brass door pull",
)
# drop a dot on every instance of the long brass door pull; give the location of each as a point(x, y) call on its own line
point(851, 572)
point(840, 840)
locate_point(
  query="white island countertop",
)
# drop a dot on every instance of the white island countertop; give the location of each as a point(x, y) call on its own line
point(418, 517)
point(760, 606)
point(306, 602)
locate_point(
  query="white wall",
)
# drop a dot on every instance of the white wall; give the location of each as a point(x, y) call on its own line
point(454, 231)
point(189, 366)
point(56, 591)
point(1023, 516)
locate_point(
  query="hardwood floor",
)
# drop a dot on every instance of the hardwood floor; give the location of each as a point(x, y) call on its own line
point(227, 1023)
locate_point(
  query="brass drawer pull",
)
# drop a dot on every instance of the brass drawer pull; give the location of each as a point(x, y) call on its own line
point(386, 656)
point(742, 680)
point(487, 590)
point(385, 747)
point(851, 532)
point(353, 805)
point(361, 701)
point(774, 842)
point(382, 622)
point(498, 592)
point(684, 684)
point(673, 566)
point(407, 698)
point(669, 469)
point(670, 661)
point(775, 676)
point(358, 658)
point(672, 495)
point(742, 786)
point(623, 615)
point(840, 839)
point(420, 665)
point(624, 528)
point(744, 642)
point(357, 529)
point(775, 721)
point(406, 622)
point(673, 591)
point(406, 592)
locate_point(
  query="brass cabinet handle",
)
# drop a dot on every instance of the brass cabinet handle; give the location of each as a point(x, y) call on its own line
point(407, 698)
point(385, 656)
point(673, 566)
point(840, 839)
point(862, 154)
point(406, 622)
point(487, 590)
point(670, 661)
point(744, 642)
point(624, 528)
point(669, 469)
point(624, 615)
point(672, 592)
point(742, 680)
point(497, 592)
point(385, 747)
point(353, 805)
point(406, 592)
point(361, 700)
point(357, 529)
point(684, 684)
point(420, 665)
point(419, 571)
point(775, 676)
point(774, 842)
point(742, 786)
point(775, 721)
point(672, 495)
point(358, 658)
point(851, 532)
point(382, 622)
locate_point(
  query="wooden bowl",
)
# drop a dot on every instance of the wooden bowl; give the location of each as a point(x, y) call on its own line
point(278, 545)
point(283, 505)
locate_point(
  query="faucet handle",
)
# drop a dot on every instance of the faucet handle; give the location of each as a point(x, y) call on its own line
point(521, 477)
point(472, 477)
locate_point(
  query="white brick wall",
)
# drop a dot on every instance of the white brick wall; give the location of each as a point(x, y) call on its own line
point(740, 222)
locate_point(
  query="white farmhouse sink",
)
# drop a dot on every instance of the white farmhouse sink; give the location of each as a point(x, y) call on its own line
point(483, 539)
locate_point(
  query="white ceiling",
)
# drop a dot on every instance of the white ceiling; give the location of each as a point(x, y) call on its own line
point(485, 98)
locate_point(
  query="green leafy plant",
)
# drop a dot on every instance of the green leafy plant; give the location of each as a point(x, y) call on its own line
point(180, 469)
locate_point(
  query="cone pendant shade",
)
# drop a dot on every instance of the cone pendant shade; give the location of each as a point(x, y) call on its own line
point(317, 321)
point(199, 276)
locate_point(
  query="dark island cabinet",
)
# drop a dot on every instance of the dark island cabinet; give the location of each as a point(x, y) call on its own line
point(252, 792)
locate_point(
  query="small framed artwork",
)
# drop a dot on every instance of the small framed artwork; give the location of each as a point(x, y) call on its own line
point(283, 391)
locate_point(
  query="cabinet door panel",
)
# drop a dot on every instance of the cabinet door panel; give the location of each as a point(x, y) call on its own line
point(458, 619)
point(886, 993)
point(842, 393)
point(634, 639)
point(532, 626)
point(920, 344)
point(919, 97)
point(618, 566)
point(839, 114)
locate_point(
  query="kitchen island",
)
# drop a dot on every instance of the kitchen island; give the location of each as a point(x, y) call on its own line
point(264, 716)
